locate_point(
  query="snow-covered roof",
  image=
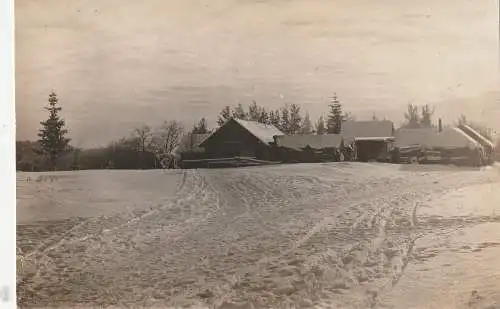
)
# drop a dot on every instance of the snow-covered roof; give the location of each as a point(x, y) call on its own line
point(453, 138)
point(417, 136)
point(381, 138)
point(264, 132)
point(372, 128)
point(477, 136)
point(301, 141)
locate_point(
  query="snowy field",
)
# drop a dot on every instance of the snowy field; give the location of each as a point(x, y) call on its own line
point(336, 235)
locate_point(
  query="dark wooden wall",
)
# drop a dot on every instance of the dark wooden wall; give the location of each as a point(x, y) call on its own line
point(232, 140)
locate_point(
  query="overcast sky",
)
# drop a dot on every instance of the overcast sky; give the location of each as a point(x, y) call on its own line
point(118, 63)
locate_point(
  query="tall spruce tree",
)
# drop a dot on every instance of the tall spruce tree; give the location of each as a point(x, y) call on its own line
point(285, 120)
point(295, 119)
point(335, 117)
point(52, 135)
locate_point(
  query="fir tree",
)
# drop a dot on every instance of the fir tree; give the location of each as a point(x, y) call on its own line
point(295, 119)
point(335, 117)
point(53, 142)
point(426, 116)
point(306, 127)
point(224, 116)
point(285, 120)
point(320, 126)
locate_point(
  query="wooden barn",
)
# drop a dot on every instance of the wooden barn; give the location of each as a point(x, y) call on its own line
point(242, 138)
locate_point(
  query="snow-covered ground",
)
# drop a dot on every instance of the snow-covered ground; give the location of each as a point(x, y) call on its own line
point(336, 235)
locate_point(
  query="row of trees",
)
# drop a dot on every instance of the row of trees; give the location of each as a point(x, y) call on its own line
point(421, 117)
point(418, 117)
point(145, 146)
point(289, 118)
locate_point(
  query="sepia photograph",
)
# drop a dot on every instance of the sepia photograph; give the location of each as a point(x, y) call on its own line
point(248, 154)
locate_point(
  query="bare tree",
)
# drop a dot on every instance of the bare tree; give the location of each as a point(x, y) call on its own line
point(167, 137)
point(348, 117)
point(201, 127)
point(275, 118)
point(412, 117)
point(144, 136)
point(462, 120)
point(253, 111)
point(239, 112)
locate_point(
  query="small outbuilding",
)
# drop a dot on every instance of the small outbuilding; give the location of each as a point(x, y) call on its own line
point(309, 147)
point(373, 140)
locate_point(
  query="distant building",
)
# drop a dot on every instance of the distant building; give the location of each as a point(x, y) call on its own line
point(373, 140)
point(414, 137)
point(373, 129)
point(189, 146)
point(241, 138)
point(308, 147)
point(451, 145)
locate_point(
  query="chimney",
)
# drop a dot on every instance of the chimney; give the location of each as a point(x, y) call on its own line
point(275, 138)
point(440, 125)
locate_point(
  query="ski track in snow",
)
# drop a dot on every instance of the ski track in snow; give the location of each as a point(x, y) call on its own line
point(290, 236)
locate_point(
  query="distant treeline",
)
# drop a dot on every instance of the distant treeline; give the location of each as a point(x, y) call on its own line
point(145, 146)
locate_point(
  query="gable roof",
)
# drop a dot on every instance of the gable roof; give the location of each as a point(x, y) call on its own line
point(263, 132)
point(453, 138)
point(417, 136)
point(372, 128)
point(301, 141)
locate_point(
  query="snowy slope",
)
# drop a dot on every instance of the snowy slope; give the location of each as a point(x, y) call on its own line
point(341, 235)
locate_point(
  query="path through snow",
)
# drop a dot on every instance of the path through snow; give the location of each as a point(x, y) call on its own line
point(344, 235)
